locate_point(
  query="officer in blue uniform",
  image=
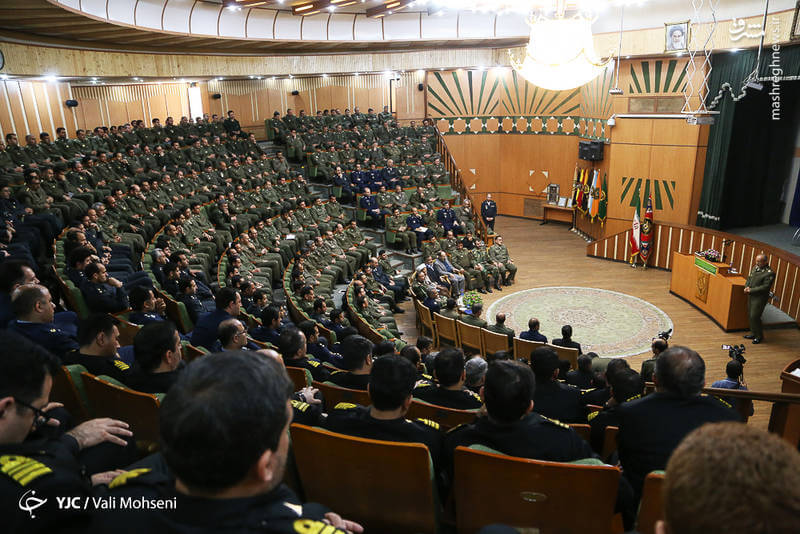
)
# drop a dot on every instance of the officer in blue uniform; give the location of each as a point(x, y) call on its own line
point(390, 176)
point(489, 211)
point(414, 222)
point(341, 180)
point(34, 310)
point(360, 179)
point(103, 293)
point(369, 203)
point(447, 218)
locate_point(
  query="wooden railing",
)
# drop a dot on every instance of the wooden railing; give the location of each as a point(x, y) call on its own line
point(458, 184)
point(739, 251)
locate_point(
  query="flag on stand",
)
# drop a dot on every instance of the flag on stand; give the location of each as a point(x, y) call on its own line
point(585, 191)
point(594, 196)
point(647, 231)
point(579, 189)
point(635, 237)
point(602, 208)
point(576, 184)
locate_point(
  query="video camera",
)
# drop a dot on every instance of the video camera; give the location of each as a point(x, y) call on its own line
point(665, 335)
point(736, 352)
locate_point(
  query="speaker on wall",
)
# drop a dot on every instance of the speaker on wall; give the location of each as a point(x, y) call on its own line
point(216, 96)
point(421, 87)
point(590, 150)
point(295, 93)
point(71, 103)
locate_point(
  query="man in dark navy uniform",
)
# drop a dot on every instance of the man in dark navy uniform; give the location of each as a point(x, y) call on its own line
point(102, 292)
point(448, 369)
point(157, 349)
point(447, 218)
point(33, 306)
point(414, 222)
point(391, 381)
point(98, 337)
point(228, 302)
point(34, 470)
point(356, 354)
point(390, 176)
point(292, 344)
point(269, 330)
point(369, 203)
point(489, 211)
point(230, 480)
point(533, 334)
point(650, 428)
point(554, 399)
point(145, 308)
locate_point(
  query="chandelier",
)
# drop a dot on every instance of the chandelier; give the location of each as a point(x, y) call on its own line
point(560, 54)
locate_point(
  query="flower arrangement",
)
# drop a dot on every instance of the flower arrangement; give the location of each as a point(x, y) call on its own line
point(470, 298)
point(710, 254)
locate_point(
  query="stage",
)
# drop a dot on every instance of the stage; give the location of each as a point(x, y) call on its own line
point(552, 256)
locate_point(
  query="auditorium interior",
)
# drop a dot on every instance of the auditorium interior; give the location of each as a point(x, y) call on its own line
point(323, 266)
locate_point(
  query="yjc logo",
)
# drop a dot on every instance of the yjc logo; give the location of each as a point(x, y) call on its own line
point(30, 502)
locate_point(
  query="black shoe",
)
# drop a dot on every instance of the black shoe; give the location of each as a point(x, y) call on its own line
point(498, 288)
point(398, 310)
point(749, 336)
point(757, 340)
point(482, 291)
point(489, 290)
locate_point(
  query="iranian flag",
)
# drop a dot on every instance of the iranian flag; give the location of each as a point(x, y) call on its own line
point(647, 231)
point(636, 229)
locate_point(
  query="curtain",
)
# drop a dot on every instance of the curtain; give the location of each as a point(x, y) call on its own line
point(733, 68)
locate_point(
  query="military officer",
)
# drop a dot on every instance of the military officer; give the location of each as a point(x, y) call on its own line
point(477, 277)
point(489, 211)
point(757, 288)
point(498, 253)
point(396, 223)
point(450, 392)
point(481, 257)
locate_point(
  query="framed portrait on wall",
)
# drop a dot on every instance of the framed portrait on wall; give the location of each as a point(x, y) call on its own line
point(676, 36)
point(553, 193)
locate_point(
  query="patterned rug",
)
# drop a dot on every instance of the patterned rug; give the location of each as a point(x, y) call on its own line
point(606, 322)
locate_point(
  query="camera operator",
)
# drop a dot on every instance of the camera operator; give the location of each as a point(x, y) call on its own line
point(659, 345)
point(734, 380)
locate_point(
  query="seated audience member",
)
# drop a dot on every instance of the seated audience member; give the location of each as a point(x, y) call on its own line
point(232, 335)
point(566, 339)
point(601, 393)
point(260, 301)
point(384, 348)
point(187, 293)
point(734, 371)
point(98, 337)
point(34, 311)
point(626, 385)
point(157, 349)
point(413, 355)
point(499, 355)
point(651, 427)
point(582, 377)
point(474, 318)
point(225, 440)
point(432, 300)
point(102, 292)
point(715, 466)
point(357, 359)
point(391, 381)
point(15, 273)
point(511, 426)
point(500, 327)
point(649, 366)
point(450, 391)
point(554, 399)
point(450, 309)
point(269, 331)
point(145, 307)
point(425, 346)
point(317, 346)
point(475, 372)
point(292, 345)
point(532, 333)
point(228, 303)
point(48, 468)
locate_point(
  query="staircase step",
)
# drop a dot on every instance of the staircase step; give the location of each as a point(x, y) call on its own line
point(410, 261)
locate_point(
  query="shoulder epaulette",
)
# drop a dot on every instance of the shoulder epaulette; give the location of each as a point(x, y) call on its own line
point(427, 377)
point(338, 372)
point(314, 363)
point(428, 422)
point(21, 469)
point(300, 405)
point(123, 479)
point(722, 401)
point(457, 427)
point(555, 422)
point(423, 385)
point(312, 526)
point(633, 398)
point(122, 366)
point(474, 395)
point(592, 415)
point(585, 391)
point(345, 406)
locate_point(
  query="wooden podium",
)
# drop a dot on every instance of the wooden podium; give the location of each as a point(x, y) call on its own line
point(785, 418)
point(711, 288)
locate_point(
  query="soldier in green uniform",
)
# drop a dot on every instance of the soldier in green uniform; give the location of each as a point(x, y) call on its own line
point(474, 319)
point(498, 253)
point(477, 277)
point(407, 238)
point(757, 288)
point(481, 257)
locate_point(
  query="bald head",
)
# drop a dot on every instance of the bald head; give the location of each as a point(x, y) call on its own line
point(500, 318)
point(681, 371)
point(761, 260)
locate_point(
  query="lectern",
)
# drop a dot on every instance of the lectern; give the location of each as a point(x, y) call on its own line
point(712, 288)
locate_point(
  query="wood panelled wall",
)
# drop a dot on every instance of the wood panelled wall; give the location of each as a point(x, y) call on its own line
point(35, 107)
point(118, 104)
point(741, 253)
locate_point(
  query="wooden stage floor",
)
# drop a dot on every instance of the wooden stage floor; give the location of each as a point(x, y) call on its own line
point(551, 255)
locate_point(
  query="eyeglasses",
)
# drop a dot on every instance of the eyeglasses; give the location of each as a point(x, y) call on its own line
point(41, 416)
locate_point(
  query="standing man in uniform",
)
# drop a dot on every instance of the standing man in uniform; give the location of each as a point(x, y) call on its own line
point(757, 289)
point(489, 211)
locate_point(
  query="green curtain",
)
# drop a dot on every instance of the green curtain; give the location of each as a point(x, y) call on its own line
point(732, 68)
